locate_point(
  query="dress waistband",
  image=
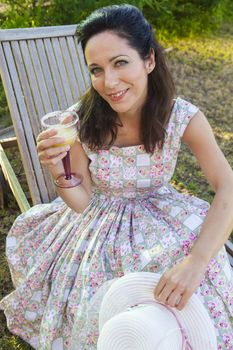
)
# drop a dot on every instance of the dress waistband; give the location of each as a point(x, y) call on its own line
point(133, 195)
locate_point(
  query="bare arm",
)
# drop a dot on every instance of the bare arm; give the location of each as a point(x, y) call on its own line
point(218, 223)
point(77, 198)
point(177, 284)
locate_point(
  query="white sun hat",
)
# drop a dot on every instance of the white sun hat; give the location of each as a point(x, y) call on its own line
point(131, 318)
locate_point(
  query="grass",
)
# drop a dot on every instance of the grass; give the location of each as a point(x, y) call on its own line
point(203, 73)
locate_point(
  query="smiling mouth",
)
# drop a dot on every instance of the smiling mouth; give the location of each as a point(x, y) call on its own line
point(119, 95)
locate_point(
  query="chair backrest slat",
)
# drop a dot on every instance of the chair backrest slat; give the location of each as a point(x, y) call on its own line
point(55, 72)
point(47, 75)
point(79, 64)
point(74, 86)
point(63, 70)
point(41, 90)
point(15, 113)
point(30, 85)
point(42, 70)
point(29, 107)
point(26, 107)
point(38, 98)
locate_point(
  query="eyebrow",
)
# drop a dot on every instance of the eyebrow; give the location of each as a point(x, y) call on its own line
point(111, 59)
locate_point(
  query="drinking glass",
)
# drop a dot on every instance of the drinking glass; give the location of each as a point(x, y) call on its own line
point(66, 124)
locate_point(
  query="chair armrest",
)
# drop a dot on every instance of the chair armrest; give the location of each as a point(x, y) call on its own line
point(8, 142)
point(13, 181)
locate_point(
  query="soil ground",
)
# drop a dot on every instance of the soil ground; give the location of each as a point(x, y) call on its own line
point(203, 73)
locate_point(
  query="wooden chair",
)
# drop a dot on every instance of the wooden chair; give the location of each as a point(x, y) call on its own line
point(42, 70)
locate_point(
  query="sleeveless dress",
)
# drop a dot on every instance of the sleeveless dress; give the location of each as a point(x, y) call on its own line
point(62, 263)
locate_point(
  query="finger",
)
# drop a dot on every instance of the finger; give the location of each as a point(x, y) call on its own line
point(174, 298)
point(53, 152)
point(46, 134)
point(165, 281)
point(165, 287)
point(53, 161)
point(50, 142)
point(178, 302)
point(183, 301)
point(67, 119)
point(160, 285)
point(165, 293)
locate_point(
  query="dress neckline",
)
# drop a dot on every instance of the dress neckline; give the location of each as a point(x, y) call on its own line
point(119, 147)
point(140, 145)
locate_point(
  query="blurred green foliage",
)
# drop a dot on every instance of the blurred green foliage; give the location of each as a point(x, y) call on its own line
point(170, 17)
point(190, 18)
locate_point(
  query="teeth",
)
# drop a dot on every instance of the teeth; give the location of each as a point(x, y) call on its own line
point(118, 94)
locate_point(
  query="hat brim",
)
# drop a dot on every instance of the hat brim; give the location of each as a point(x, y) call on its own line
point(138, 288)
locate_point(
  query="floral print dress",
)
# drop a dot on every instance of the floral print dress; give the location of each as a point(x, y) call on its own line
point(62, 263)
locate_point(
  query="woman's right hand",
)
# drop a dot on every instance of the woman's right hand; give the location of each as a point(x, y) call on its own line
point(49, 154)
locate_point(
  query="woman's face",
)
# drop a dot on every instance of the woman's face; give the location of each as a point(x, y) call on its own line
point(118, 73)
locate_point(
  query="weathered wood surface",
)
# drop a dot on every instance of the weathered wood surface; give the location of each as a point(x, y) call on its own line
point(42, 70)
point(37, 33)
point(9, 175)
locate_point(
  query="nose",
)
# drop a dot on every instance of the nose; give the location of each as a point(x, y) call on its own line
point(111, 79)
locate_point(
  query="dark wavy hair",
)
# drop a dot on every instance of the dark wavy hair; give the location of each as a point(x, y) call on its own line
point(97, 118)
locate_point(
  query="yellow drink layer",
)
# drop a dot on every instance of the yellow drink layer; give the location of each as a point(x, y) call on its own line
point(69, 134)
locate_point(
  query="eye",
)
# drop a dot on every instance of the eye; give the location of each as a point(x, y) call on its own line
point(121, 63)
point(95, 70)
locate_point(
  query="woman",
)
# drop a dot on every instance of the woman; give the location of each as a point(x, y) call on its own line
point(125, 216)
